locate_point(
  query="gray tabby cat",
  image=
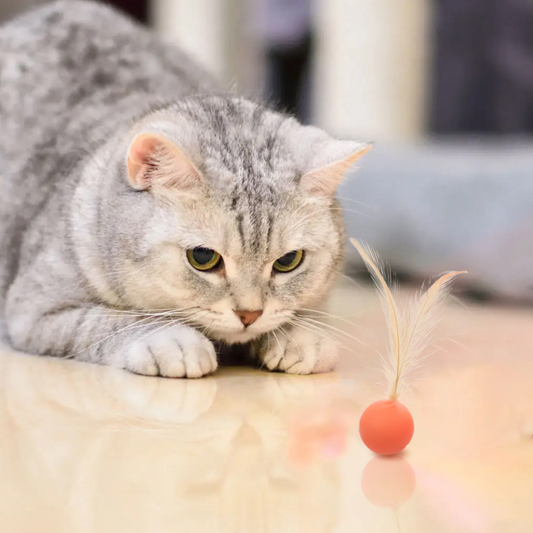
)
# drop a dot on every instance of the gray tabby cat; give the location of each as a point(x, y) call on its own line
point(144, 215)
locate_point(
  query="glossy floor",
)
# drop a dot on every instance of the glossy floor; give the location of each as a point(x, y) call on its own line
point(91, 449)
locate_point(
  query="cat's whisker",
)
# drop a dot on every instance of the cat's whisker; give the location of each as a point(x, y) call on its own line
point(166, 325)
point(268, 350)
point(328, 209)
point(279, 345)
point(300, 222)
point(350, 279)
point(285, 334)
point(346, 210)
point(300, 357)
point(354, 201)
point(138, 325)
point(329, 315)
point(313, 328)
point(258, 349)
point(170, 313)
point(143, 322)
point(144, 313)
point(106, 338)
point(194, 323)
point(293, 215)
point(207, 329)
point(333, 328)
point(317, 330)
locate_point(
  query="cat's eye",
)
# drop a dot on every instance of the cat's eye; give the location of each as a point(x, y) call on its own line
point(290, 261)
point(204, 259)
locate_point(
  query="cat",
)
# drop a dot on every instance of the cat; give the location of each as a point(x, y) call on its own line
point(147, 216)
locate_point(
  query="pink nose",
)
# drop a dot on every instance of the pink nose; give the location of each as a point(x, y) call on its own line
point(248, 317)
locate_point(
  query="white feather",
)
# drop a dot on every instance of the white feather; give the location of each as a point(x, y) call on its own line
point(410, 327)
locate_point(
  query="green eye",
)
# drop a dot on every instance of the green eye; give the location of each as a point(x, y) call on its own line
point(204, 258)
point(289, 262)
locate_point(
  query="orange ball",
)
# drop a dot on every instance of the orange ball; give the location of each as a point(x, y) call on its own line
point(386, 427)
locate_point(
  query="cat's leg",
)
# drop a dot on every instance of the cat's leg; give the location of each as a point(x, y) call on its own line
point(151, 346)
point(296, 350)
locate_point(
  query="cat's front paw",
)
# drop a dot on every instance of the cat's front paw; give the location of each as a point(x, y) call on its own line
point(174, 352)
point(298, 351)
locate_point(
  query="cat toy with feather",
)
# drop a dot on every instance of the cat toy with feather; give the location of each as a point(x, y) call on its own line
point(387, 426)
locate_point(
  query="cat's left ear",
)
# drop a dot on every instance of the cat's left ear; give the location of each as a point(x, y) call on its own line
point(155, 160)
point(329, 163)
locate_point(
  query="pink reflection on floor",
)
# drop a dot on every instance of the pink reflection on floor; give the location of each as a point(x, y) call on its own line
point(451, 504)
point(319, 434)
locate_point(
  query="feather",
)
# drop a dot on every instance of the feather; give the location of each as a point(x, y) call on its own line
point(379, 273)
point(409, 328)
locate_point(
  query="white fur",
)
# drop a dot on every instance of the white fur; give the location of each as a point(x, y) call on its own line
point(174, 352)
point(299, 351)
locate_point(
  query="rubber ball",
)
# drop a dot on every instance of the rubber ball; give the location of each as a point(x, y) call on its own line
point(386, 427)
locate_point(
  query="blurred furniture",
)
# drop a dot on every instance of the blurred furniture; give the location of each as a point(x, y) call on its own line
point(136, 8)
point(454, 205)
point(483, 67)
point(286, 36)
point(200, 27)
point(10, 8)
point(371, 62)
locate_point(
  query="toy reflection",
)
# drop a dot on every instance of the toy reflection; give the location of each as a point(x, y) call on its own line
point(388, 482)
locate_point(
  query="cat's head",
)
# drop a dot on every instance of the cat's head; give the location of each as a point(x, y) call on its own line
point(225, 211)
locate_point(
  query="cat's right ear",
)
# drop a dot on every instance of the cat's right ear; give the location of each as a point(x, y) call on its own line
point(153, 160)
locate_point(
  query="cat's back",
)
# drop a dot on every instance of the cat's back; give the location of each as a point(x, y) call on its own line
point(71, 74)
point(80, 59)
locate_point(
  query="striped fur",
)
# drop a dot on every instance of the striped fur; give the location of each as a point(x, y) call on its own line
point(94, 270)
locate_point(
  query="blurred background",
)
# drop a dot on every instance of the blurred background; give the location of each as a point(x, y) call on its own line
point(444, 89)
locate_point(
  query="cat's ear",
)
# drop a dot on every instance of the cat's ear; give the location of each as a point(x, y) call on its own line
point(331, 159)
point(154, 160)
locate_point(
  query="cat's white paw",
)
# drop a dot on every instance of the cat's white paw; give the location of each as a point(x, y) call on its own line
point(299, 351)
point(175, 352)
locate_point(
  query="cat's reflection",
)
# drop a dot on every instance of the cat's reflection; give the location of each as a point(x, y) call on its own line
point(89, 448)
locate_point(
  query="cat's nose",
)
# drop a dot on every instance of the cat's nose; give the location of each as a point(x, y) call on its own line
point(247, 317)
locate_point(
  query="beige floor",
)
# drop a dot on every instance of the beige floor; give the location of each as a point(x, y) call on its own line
point(89, 449)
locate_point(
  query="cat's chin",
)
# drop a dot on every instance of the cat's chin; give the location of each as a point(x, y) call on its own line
point(235, 337)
